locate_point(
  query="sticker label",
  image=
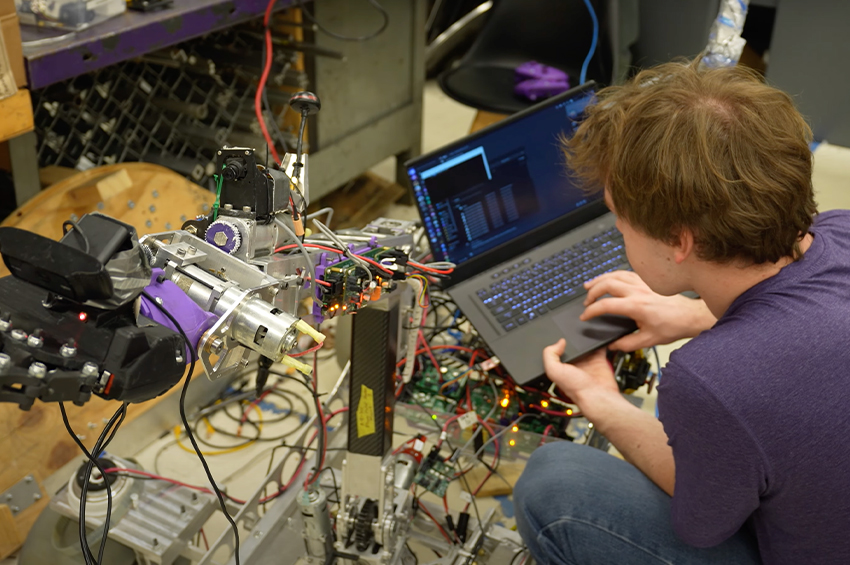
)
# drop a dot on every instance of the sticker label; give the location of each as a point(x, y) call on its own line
point(466, 496)
point(365, 412)
point(467, 420)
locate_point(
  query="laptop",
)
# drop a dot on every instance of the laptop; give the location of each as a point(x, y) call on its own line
point(500, 204)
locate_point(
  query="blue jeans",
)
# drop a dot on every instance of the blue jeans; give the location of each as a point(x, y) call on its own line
point(576, 505)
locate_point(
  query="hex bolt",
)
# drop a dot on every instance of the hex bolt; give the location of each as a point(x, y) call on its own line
point(228, 207)
point(247, 153)
point(246, 209)
point(19, 335)
point(67, 351)
point(35, 340)
point(90, 370)
point(192, 230)
point(5, 325)
point(192, 250)
point(28, 479)
point(10, 496)
point(5, 362)
point(37, 370)
point(220, 238)
point(181, 252)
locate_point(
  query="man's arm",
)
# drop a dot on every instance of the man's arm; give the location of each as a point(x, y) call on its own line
point(635, 433)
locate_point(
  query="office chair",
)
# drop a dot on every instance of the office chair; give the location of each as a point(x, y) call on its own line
point(557, 33)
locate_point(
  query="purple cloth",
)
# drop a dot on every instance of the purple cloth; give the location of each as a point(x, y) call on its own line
point(193, 319)
point(757, 410)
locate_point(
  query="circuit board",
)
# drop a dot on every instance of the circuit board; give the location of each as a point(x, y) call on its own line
point(346, 287)
point(435, 475)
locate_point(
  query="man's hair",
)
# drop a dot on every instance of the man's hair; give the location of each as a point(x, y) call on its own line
point(716, 151)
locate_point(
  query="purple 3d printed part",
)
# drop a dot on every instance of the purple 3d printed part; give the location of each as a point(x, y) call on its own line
point(534, 70)
point(193, 320)
point(536, 89)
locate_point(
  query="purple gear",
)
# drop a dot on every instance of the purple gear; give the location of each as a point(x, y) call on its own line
point(535, 70)
point(536, 89)
point(227, 230)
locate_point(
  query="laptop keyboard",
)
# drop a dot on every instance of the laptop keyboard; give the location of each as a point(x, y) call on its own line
point(523, 291)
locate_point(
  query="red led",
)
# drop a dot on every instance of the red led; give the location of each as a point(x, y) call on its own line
point(83, 316)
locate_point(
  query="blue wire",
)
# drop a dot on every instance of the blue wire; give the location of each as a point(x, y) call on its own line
point(590, 53)
point(657, 375)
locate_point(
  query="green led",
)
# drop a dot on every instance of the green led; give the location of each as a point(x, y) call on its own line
point(433, 416)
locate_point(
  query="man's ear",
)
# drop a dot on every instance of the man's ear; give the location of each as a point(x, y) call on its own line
point(683, 247)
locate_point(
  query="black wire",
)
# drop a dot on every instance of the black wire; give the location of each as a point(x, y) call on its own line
point(415, 557)
point(333, 477)
point(182, 406)
point(92, 462)
point(522, 550)
point(78, 231)
point(326, 31)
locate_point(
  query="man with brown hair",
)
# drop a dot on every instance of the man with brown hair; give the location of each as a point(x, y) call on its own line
point(709, 175)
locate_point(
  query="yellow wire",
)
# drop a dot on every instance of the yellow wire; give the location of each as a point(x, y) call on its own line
point(221, 451)
point(424, 289)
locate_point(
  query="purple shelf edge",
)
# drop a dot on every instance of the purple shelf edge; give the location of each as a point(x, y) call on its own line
point(134, 34)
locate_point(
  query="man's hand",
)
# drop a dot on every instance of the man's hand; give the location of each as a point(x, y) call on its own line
point(636, 434)
point(660, 319)
point(584, 382)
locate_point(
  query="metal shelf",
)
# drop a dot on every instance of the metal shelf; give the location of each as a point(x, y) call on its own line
point(55, 55)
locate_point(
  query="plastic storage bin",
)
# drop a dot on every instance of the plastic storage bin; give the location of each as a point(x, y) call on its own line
point(68, 14)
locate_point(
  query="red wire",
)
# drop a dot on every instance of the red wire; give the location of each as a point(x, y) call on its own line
point(442, 531)
point(204, 536)
point(258, 98)
point(334, 250)
point(312, 479)
point(427, 269)
point(307, 351)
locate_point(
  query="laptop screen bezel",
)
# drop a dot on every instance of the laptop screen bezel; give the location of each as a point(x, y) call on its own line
point(537, 236)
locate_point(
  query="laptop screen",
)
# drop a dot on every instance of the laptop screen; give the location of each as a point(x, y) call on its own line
point(490, 188)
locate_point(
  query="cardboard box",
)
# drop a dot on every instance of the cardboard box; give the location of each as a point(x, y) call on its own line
point(14, 50)
point(7, 8)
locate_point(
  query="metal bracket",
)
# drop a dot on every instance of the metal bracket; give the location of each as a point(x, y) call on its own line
point(21, 495)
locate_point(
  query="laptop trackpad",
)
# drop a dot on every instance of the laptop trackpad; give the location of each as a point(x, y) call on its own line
point(583, 337)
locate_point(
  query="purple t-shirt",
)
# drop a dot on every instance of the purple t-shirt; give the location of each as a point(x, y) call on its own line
point(757, 410)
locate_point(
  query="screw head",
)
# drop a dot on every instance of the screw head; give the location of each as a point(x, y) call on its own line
point(155, 194)
point(5, 325)
point(205, 207)
point(131, 204)
point(192, 250)
point(101, 205)
point(152, 208)
point(192, 230)
point(148, 223)
point(158, 300)
point(37, 370)
point(36, 496)
point(19, 335)
point(89, 370)
point(216, 345)
point(228, 207)
point(181, 252)
point(246, 209)
point(220, 238)
point(35, 341)
point(168, 226)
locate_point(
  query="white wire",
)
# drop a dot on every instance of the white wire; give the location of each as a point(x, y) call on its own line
point(314, 281)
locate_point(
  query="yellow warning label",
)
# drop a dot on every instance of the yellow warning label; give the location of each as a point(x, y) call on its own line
point(365, 412)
